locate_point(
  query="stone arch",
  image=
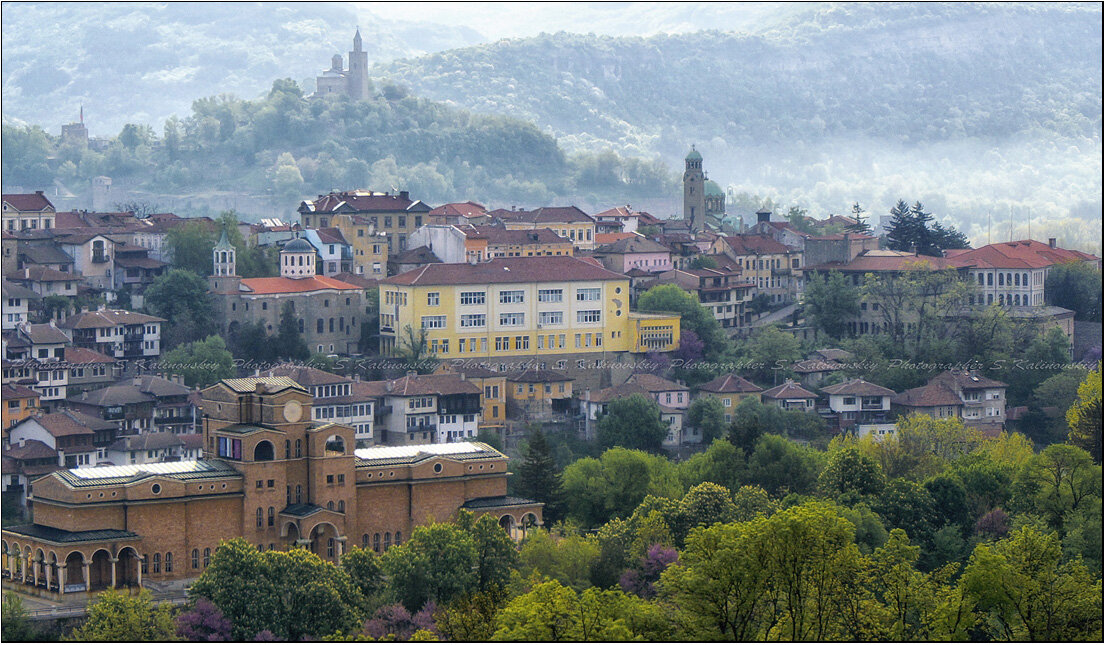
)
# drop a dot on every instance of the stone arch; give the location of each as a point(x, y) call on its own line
point(127, 568)
point(54, 571)
point(507, 522)
point(15, 559)
point(4, 565)
point(324, 541)
point(39, 570)
point(290, 530)
point(28, 565)
point(74, 571)
point(264, 451)
point(99, 570)
point(335, 444)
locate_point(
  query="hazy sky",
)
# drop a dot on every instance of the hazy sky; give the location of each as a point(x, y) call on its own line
point(520, 19)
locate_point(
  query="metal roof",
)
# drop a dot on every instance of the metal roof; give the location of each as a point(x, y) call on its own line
point(51, 534)
point(382, 455)
point(104, 475)
point(271, 383)
point(498, 502)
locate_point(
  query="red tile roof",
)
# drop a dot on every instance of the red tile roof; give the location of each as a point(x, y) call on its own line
point(68, 423)
point(754, 245)
point(557, 268)
point(267, 286)
point(108, 318)
point(460, 209)
point(653, 383)
point(545, 215)
point(420, 385)
point(362, 201)
point(43, 274)
point(788, 390)
point(882, 260)
point(858, 387)
point(15, 391)
point(729, 384)
point(1023, 254)
point(500, 235)
point(31, 449)
point(28, 201)
point(356, 280)
point(81, 356)
point(611, 238)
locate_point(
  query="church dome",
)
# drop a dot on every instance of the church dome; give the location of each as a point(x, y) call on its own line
point(299, 245)
point(693, 155)
point(712, 189)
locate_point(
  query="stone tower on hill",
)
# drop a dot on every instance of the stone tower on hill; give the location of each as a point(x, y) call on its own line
point(352, 82)
point(694, 199)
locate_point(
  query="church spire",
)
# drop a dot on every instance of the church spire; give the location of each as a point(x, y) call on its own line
point(357, 40)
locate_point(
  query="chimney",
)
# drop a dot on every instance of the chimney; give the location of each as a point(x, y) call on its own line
point(259, 388)
point(389, 386)
point(38, 192)
point(136, 381)
point(22, 442)
point(412, 373)
point(1051, 242)
point(764, 216)
point(403, 194)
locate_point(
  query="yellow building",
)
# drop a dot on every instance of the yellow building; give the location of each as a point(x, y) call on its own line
point(370, 249)
point(567, 221)
point(539, 394)
point(19, 403)
point(483, 243)
point(731, 390)
point(554, 310)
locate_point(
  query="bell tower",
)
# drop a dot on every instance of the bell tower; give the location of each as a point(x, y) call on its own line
point(222, 260)
point(357, 80)
point(694, 197)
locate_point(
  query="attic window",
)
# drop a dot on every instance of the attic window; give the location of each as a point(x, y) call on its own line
point(156, 489)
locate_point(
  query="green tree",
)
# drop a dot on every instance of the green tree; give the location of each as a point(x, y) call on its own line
point(1062, 479)
point(1085, 416)
point(15, 626)
point(496, 553)
point(861, 227)
point(565, 557)
point(1026, 591)
point(850, 472)
point(201, 363)
point(830, 302)
point(708, 415)
point(190, 247)
point(289, 340)
point(770, 350)
point(364, 569)
point(292, 594)
point(437, 563)
point(539, 478)
point(1076, 286)
point(705, 504)
point(633, 422)
point(781, 466)
point(182, 298)
point(907, 505)
point(615, 484)
point(414, 350)
point(117, 617)
point(471, 617)
point(552, 612)
point(693, 316)
point(721, 463)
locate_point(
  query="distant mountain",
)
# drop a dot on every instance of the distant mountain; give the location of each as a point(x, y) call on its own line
point(142, 62)
point(974, 109)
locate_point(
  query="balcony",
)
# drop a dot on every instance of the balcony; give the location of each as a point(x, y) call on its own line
point(871, 406)
point(430, 427)
point(100, 258)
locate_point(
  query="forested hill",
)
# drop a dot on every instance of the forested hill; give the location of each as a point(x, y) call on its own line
point(141, 62)
point(985, 112)
point(917, 72)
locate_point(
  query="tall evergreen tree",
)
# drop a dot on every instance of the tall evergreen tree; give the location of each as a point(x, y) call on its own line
point(924, 240)
point(861, 227)
point(289, 340)
point(540, 479)
point(901, 234)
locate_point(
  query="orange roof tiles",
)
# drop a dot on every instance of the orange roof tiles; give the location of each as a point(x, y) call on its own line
point(266, 286)
point(1022, 254)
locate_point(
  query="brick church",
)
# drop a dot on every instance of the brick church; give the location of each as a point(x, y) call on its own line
point(269, 475)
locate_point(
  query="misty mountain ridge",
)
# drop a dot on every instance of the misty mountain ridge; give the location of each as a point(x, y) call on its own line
point(972, 109)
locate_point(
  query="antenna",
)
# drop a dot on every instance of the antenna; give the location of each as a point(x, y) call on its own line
point(988, 228)
point(1011, 231)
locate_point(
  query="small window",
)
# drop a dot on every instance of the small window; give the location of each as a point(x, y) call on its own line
point(207, 557)
point(168, 562)
point(376, 542)
point(195, 558)
point(157, 563)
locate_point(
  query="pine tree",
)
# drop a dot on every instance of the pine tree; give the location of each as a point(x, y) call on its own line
point(861, 227)
point(289, 340)
point(901, 234)
point(924, 239)
point(540, 479)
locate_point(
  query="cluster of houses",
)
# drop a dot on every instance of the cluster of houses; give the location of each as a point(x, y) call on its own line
point(532, 315)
